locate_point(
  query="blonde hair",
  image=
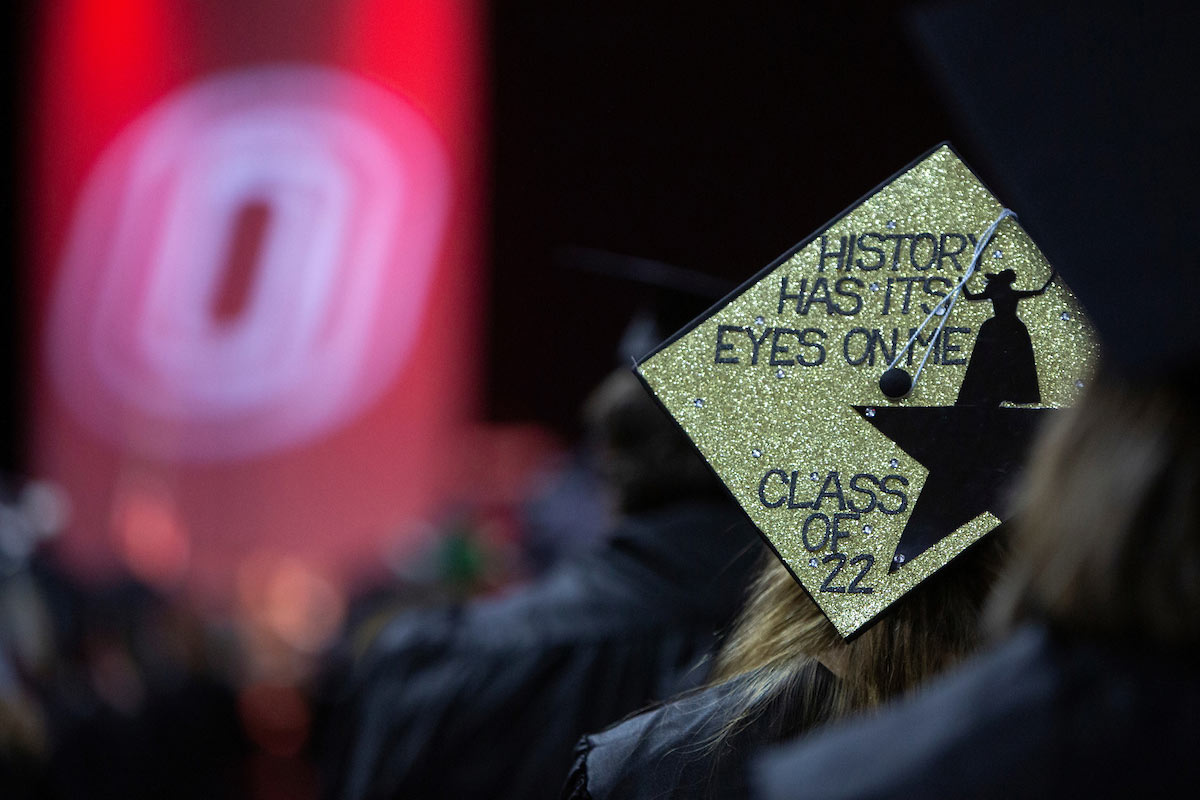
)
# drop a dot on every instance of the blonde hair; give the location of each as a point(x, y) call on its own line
point(1109, 544)
point(782, 638)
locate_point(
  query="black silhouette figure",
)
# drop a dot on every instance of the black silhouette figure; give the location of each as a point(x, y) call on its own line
point(1002, 367)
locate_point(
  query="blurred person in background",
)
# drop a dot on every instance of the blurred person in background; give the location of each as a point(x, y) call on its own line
point(105, 690)
point(144, 703)
point(486, 698)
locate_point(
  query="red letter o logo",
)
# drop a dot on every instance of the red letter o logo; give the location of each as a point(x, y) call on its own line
point(346, 189)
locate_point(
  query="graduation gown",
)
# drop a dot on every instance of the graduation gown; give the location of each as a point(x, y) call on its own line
point(1040, 716)
point(676, 750)
point(486, 700)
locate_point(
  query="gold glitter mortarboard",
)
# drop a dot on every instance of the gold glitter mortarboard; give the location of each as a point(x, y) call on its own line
point(779, 385)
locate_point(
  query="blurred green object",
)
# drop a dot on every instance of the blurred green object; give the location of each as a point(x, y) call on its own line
point(460, 559)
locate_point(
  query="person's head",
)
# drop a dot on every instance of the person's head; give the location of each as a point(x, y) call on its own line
point(642, 453)
point(782, 634)
point(1005, 277)
point(1109, 541)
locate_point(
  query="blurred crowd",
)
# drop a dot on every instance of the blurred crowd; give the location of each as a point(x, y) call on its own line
point(121, 689)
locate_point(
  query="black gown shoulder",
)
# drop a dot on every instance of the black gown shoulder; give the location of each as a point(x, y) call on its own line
point(1039, 716)
point(486, 699)
point(686, 748)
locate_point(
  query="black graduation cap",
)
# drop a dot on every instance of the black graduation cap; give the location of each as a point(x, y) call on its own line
point(1084, 114)
point(670, 295)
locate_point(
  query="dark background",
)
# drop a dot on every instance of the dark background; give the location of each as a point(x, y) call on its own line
point(710, 137)
point(16, 42)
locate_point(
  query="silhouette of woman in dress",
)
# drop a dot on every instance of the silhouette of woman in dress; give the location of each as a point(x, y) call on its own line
point(1002, 367)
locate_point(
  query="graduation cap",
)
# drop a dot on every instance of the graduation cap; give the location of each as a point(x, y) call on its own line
point(868, 397)
point(669, 294)
point(1084, 115)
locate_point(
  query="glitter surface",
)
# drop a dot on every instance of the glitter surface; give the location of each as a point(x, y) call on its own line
point(837, 339)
